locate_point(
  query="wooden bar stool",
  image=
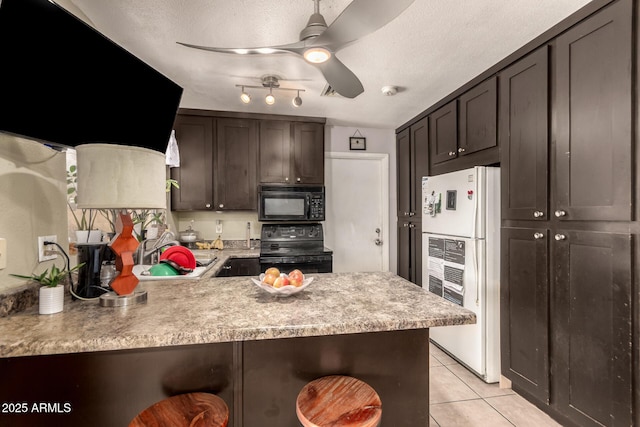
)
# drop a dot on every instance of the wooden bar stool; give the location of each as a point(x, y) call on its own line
point(190, 409)
point(338, 400)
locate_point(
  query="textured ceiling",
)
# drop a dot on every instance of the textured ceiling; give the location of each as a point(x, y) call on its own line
point(430, 50)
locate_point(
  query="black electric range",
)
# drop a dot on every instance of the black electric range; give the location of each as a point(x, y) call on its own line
point(295, 246)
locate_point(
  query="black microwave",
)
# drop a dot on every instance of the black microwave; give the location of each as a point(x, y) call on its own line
point(291, 203)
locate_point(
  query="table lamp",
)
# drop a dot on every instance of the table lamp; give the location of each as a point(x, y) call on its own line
point(121, 177)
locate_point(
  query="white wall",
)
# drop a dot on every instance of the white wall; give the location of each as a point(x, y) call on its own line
point(33, 193)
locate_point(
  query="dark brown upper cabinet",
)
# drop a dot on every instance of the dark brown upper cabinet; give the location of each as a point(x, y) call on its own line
point(594, 97)
point(412, 148)
point(291, 152)
point(478, 118)
point(443, 134)
point(195, 177)
point(524, 128)
point(236, 159)
point(463, 133)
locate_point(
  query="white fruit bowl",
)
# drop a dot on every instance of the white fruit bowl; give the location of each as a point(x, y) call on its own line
point(284, 291)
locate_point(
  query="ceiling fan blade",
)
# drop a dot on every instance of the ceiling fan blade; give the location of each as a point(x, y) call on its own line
point(360, 18)
point(341, 79)
point(296, 48)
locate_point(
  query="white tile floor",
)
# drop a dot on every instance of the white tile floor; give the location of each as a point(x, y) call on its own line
point(460, 399)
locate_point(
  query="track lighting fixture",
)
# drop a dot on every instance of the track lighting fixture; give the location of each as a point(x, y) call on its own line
point(270, 99)
point(271, 83)
point(297, 101)
point(245, 97)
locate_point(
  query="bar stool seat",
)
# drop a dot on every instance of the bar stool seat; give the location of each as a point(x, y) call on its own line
point(338, 400)
point(190, 409)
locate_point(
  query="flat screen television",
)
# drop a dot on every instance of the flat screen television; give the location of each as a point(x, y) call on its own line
point(64, 83)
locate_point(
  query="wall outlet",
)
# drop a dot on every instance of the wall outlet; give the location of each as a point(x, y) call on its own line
point(3, 253)
point(219, 226)
point(47, 252)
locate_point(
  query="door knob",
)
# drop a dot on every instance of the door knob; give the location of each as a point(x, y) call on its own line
point(560, 213)
point(538, 214)
point(559, 237)
point(538, 235)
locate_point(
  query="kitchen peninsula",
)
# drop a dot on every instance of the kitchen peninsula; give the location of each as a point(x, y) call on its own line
point(99, 366)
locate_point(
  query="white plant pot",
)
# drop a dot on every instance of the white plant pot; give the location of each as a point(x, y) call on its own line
point(88, 236)
point(51, 299)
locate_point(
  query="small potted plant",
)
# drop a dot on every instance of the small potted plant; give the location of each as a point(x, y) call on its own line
point(51, 294)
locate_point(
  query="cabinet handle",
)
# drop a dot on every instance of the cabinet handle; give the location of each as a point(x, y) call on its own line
point(226, 267)
point(538, 235)
point(412, 213)
point(452, 153)
point(460, 150)
point(298, 180)
point(559, 237)
point(208, 205)
point(406, 213)
point(221, 206)
point(405, 224)
point(560, 213)
point(538, 214)
point(287, 179)
point(412, 225)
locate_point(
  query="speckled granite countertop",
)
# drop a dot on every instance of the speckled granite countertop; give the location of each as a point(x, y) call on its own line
point(214, 310)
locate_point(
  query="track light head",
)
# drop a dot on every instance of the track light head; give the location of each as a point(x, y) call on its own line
point(297, 101)
point(245, 97)
point(270, 99)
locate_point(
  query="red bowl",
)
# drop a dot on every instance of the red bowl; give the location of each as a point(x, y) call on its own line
point(180, 255)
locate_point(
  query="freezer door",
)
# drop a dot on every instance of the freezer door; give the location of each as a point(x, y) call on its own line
point(453, 203)
point(454, 268)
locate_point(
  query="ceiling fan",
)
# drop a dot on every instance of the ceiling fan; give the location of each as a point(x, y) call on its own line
point(319, 43)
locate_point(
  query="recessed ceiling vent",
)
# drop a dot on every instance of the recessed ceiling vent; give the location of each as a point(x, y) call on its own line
point(329, 91)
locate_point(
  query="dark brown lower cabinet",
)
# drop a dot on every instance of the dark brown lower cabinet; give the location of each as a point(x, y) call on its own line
point(410, 250)
point(524, 305)
point(240, 267)
point(592, 318)
point(566, 316)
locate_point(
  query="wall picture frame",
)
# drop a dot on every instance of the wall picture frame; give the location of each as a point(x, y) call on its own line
point(357, 143)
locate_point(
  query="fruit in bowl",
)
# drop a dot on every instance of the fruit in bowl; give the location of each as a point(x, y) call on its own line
point(273, 271)
point(281, 281)
point(296, 278)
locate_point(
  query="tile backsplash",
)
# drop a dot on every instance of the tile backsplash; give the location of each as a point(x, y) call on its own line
point(234, 224)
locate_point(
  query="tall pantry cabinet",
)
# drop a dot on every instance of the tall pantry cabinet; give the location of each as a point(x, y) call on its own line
point(566, 114)
point(412, 148)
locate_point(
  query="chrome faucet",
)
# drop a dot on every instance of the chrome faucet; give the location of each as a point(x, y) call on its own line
point(149, 256)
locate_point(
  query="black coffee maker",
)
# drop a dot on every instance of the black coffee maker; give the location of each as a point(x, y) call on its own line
point(94, 256)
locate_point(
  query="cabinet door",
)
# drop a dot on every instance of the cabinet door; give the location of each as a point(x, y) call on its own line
point(419, 164)
point(403, 157)
point(195, 174)
point(236, 163)
point(594, 114)
point(443, 133)
point(592, 318)
point(524, 110)
point(478, 118)
point(275, 151)
point(524, 310)
point(410, 251)
point(308, 153)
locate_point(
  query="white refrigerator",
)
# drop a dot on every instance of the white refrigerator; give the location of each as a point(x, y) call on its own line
point(461, 261)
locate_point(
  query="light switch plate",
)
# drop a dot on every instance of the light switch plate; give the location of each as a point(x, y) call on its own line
point(3, 253)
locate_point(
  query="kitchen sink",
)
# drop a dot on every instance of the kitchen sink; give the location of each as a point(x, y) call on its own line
point(202, 266)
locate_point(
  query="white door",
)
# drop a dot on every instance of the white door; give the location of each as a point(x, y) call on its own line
point(357, 210)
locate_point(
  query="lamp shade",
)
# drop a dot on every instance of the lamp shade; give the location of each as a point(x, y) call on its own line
point(120, 177)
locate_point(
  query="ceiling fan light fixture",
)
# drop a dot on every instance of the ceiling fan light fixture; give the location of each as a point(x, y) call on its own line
point(317, 55)
point(270, 99)
point(297, 101)
point(245, 97)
